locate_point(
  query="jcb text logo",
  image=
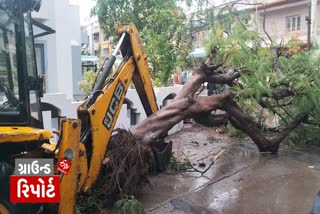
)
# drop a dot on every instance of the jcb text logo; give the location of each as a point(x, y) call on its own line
point(114, 105)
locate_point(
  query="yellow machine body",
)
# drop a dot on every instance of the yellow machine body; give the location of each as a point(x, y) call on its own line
point(16, 134)
point(85, 169)
point(134, 70)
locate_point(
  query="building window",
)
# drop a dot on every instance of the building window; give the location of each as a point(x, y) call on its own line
point(293, 23)
point(96, 37)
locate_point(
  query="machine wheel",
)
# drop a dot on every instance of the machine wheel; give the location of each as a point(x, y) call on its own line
point(5, 207)
point(6, 170)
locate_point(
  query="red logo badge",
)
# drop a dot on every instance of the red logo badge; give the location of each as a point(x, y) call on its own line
point(35, 189)
point(64, 166)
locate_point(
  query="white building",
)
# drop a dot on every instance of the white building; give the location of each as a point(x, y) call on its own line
point(59, 54)
point(59, 58)
point(98, 45)
point(285, 19)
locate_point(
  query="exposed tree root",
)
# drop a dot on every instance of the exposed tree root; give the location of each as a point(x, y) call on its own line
point(126, 165)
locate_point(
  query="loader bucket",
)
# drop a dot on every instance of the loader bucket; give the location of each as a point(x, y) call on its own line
point(162, 153)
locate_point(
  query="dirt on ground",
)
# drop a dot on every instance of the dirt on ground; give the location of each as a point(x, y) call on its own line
point(240, 181)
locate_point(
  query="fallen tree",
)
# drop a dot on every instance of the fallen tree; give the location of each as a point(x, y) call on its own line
point(264, 80)
point(263, 77)
point(188, 105)
point(129, 158)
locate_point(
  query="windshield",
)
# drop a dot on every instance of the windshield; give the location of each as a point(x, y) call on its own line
point(9, 99)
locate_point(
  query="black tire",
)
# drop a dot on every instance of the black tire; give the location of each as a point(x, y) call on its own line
point(6, 170)
point(5, 207)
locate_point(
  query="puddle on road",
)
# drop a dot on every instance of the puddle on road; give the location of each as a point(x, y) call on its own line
point(241, 180)
point(199, 182)
point(224, 199)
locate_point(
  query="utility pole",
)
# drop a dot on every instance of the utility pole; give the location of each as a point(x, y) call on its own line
point(314, 13)
point(308, 19)
point(312, 20)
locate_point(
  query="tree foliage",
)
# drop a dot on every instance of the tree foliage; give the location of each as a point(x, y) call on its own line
point(280, 80)
point(160, 24)
point(130, 205)
point(266, 70)
point(86, 84)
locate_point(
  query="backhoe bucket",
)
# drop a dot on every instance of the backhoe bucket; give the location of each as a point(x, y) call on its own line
point(162, 153)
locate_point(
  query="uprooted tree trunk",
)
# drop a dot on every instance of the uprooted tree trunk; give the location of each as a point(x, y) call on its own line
point(188, 105)
point(129, 158)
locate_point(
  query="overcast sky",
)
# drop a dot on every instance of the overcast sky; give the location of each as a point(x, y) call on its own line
point(86, 6)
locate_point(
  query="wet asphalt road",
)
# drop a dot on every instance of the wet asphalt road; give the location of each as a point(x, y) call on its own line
point(240, 181)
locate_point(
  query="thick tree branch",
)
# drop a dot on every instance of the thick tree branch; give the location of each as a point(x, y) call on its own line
point(162, 121)
point(211, 120)
point(275, 59)
point(206, 73)
point(245, 123)
point(223, 78)
point(191, 86)
point(280, 93)
point(294, 124)
point(277, 94)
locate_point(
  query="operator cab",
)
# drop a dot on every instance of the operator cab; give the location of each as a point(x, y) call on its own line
point(20, 85)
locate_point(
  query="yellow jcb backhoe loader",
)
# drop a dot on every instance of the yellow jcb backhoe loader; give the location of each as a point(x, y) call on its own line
point(83, 140)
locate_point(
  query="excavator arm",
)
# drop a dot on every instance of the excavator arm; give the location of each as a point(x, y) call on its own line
point(99, 113)
point(84, 141)
point(141, 76)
